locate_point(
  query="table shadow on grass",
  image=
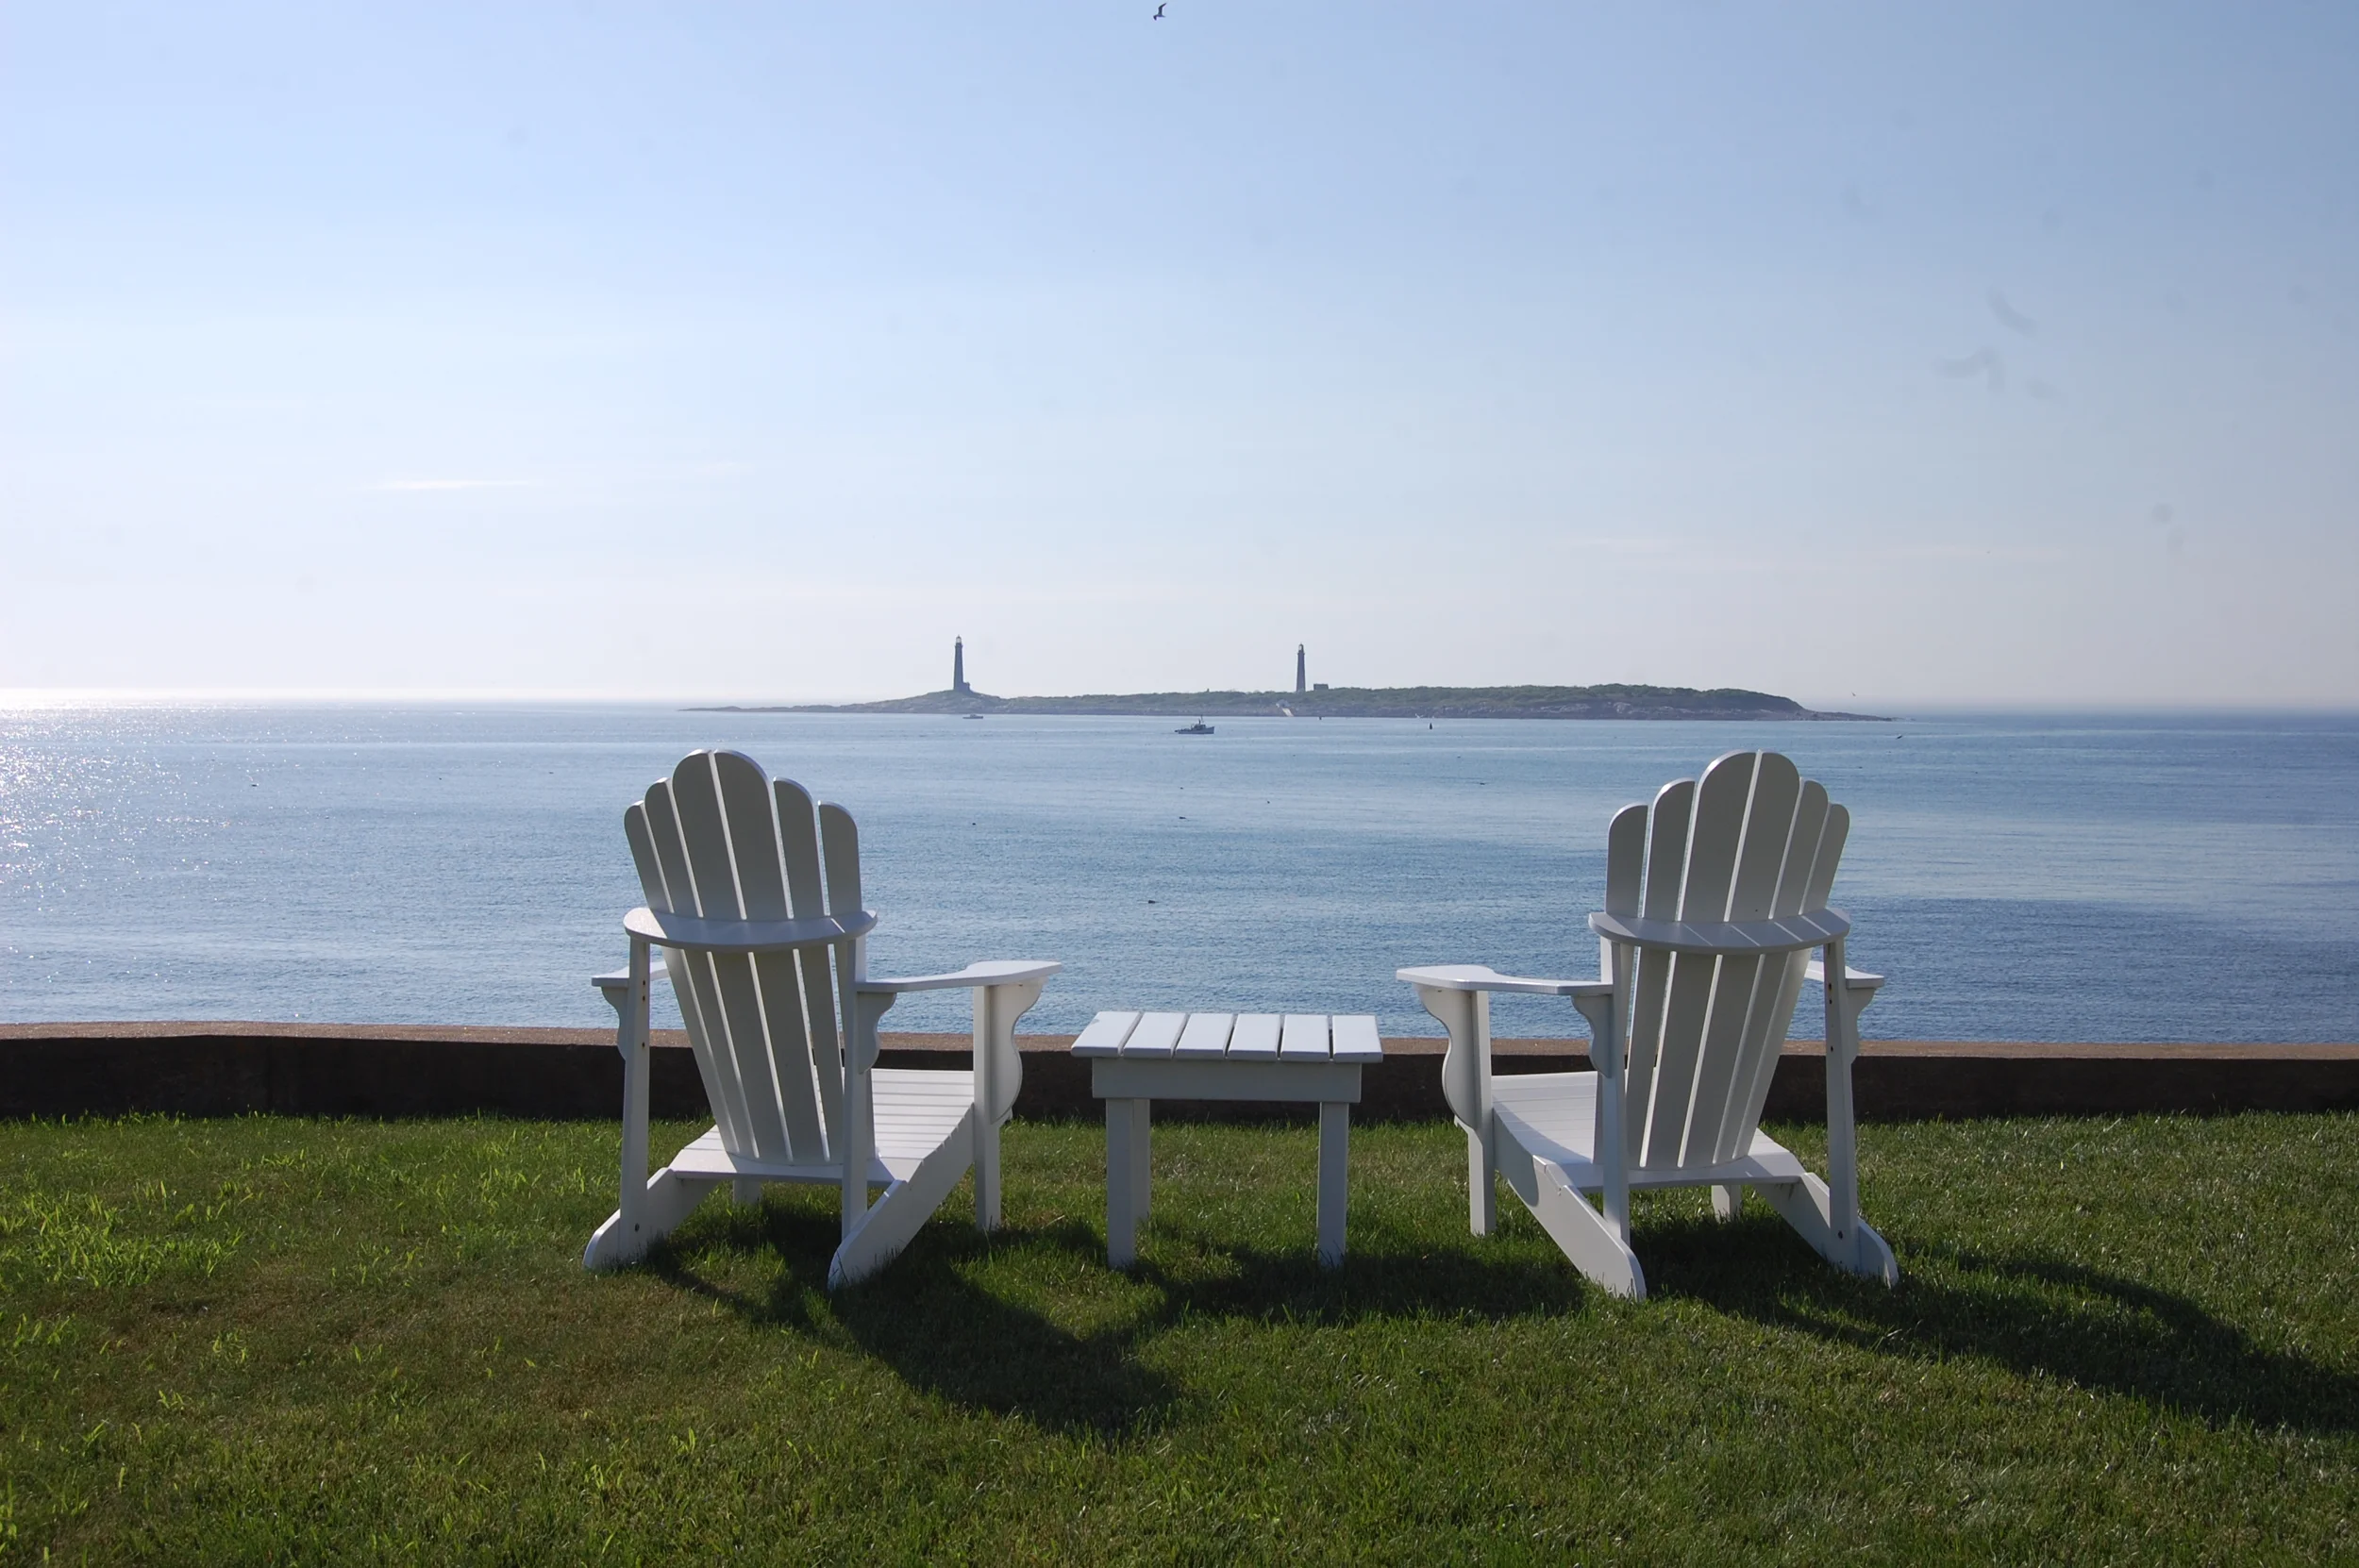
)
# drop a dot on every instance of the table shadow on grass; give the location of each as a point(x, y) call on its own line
point(940, 1331)
point(2035, 1315)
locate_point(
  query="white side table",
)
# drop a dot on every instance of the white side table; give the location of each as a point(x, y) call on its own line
point(1136, 1059)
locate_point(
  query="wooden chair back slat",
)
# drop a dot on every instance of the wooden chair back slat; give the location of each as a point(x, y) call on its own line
point(664, 830)
point(1626, 860)
point(746, 1032)
point(1666, 857)
point(839, 840)
point(1822, 870)
point(802, 1001)
point(653, 830)
point(1802, 854)
point(1625, 872)
point(772, 854)
point(643, 855)
point(705, 838)
point(694, 983)
point(1718, 831)
point(839, 854)
point(1666, 849)
point(1746, 989)
point(752, 845)
point(1779, 984)
point(1703, 878)
point(1769, 838)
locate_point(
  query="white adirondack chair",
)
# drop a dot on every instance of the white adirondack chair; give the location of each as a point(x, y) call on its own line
point(1714, 900)
point(758, 911)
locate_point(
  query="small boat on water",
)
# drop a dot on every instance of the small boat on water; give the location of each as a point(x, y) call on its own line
point(1200, 727)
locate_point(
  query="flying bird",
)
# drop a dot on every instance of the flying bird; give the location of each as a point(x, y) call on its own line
point(1158, 16)
point(1982, 361)
point(2011, 318)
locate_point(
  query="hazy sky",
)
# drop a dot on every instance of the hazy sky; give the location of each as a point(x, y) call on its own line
point(1867, 354)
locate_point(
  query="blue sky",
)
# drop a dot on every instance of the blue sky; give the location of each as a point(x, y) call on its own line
point(1872, 354)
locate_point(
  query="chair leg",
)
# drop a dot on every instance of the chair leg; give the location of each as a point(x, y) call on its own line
point(1808, 1207)
point(1875, 1259)
point(644, 1207)
point(1483, 1192)
point(1586, 1237)
point(1726, 1201)
point(746, 1191)
point(625, 1238)
point(893, 1219)
point(986, 1171)
point(857, 1146)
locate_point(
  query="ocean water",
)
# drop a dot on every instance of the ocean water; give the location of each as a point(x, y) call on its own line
point(2035, 878)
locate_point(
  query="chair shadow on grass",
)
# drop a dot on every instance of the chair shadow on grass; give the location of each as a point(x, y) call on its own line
point(923, 1317)
point(2035, 1315)
point(942, 1332)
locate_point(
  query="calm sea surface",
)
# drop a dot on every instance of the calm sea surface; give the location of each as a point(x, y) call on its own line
point(2018, 878)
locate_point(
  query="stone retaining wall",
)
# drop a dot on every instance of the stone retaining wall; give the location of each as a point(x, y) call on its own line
point(207, 1069)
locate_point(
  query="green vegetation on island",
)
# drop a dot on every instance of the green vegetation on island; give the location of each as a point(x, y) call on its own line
point(1355, 702)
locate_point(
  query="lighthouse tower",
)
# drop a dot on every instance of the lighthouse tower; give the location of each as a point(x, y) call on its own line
point(1301, 671)
point(958, 667)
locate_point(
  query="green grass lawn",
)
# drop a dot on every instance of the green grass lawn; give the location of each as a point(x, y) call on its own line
point(272, 1339)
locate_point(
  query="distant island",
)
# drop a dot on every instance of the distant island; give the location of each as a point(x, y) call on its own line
point(1353, 702)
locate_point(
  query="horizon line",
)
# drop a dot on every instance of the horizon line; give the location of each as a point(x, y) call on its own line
point(35, 698)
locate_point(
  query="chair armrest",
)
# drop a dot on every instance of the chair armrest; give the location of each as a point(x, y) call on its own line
point(1853, 980)
point(994, 972)
point(619, 979)
point(1475, 976)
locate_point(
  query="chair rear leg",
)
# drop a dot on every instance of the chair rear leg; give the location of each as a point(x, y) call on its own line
point(1726, 1201)
point(669, 1198)
point(890, 1223)
point(1587, 1238)
point(1808, 1208)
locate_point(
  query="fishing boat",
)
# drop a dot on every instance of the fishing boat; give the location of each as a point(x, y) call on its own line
point(1200, 727)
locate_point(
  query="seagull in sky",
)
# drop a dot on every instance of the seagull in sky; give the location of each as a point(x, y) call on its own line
point(1158, 16)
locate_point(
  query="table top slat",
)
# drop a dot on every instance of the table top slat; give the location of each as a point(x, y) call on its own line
point(1207, 1034)
point(1305, 1038)
point(1356, 1038)
point(1105, 1034)
point(1157, 1033)
point(1255, 1038)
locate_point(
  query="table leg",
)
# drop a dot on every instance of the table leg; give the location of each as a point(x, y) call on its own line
point(1122, 1220)
point(1334, 1150)
point(1142, 1163)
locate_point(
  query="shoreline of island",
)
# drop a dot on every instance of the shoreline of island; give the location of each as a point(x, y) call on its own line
point(1347, 702)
